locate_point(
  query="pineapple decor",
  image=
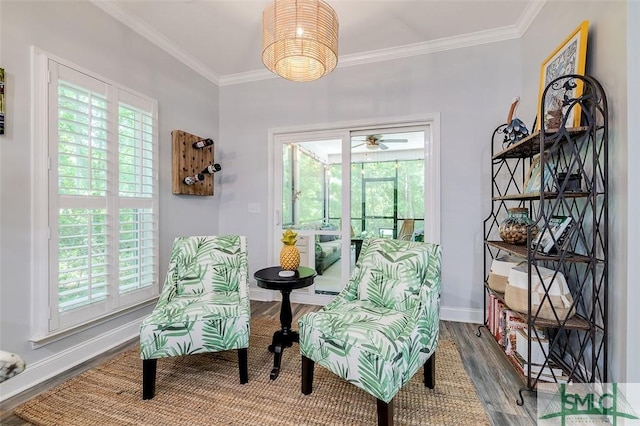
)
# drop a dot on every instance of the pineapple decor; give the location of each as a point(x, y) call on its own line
point(289, 255)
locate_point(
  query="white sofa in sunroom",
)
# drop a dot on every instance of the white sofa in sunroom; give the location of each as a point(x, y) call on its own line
point(327, 248)
point(328, 251)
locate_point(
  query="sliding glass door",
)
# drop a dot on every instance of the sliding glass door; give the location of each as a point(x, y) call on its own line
point(309, 181)
point(337, 188)
point(388, 184)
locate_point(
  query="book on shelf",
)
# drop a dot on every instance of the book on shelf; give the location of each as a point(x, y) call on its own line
point(539, 348)
point(555, 235)
point(512, 322)
point(496, 319)
point(546, 373)
point(490, 305)
point(499, 322)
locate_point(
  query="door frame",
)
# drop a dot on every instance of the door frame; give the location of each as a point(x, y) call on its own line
point(306, 295)
point(344, 129)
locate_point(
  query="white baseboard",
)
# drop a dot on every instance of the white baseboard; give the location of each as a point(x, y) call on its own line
point(311, 299)
point(260, 294)
point(54, 365)
point(474, 316)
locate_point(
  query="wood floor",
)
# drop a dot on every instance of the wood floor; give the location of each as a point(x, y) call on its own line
point(495, 380)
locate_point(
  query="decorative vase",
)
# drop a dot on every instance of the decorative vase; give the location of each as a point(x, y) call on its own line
point(514, 228)
point(289, 255)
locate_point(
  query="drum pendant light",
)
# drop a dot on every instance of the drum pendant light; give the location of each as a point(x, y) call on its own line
point(300, 39)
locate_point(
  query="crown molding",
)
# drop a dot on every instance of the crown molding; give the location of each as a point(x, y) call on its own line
point(246, 77)
point(156, 38)
point(417, 49)
point(529, 15)
point(450, 43)
point(433, 46)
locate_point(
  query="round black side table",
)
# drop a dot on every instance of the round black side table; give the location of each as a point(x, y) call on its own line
point(269, 279)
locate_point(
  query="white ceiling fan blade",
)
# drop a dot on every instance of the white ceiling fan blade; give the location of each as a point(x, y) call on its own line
point(394, 140)
point(355, 146)
point(382, 146)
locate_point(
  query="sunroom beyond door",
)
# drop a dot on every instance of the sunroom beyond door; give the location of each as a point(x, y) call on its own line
point(375, 183)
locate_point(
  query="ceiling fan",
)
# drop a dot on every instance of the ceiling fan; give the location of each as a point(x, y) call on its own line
point(374, 142)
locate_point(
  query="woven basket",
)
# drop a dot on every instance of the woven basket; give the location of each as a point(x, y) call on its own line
point(499, 272)
point(497, 282)
point(558, 296)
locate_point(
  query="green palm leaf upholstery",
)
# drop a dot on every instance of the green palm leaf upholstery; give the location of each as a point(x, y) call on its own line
point(203, 306)
point(383, 326)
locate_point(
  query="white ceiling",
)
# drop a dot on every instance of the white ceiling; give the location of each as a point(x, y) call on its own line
point(407, 146)
point(221, 39)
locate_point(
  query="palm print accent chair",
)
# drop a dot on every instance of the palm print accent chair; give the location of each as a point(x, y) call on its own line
point(203, 306)
point(383, 326)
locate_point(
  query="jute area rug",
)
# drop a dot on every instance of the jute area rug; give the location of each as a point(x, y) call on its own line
point(205, 390)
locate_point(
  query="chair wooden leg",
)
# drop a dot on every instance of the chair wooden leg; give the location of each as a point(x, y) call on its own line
point(307, 375)
point(149, 367)
point(243, 365)
point(385, 413)
point(430, 372)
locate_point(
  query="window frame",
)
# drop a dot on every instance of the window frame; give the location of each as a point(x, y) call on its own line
point(47, 324)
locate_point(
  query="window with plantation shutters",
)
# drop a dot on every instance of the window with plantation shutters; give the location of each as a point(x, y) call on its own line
point(102, 197)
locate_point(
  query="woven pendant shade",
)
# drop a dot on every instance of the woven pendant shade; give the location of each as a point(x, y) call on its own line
point(300, 39)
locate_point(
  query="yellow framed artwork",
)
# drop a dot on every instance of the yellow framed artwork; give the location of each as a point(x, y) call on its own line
point(568, 58)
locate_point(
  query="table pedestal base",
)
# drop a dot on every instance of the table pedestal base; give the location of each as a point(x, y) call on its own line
point(281, 339)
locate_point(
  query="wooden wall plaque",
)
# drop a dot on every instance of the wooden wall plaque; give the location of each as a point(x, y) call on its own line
point(189, 161)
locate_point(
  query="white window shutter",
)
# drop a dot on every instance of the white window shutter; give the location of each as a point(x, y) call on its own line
point(103, 148)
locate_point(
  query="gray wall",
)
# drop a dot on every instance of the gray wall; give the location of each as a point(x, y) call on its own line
point(607, 62)
point(85, 35)
point(471, 88)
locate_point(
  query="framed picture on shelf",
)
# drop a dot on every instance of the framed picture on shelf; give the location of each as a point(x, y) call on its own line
point(533, 183)
point(568, 58)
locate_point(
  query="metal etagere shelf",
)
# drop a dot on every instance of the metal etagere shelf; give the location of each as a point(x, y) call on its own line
point(576, 343)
